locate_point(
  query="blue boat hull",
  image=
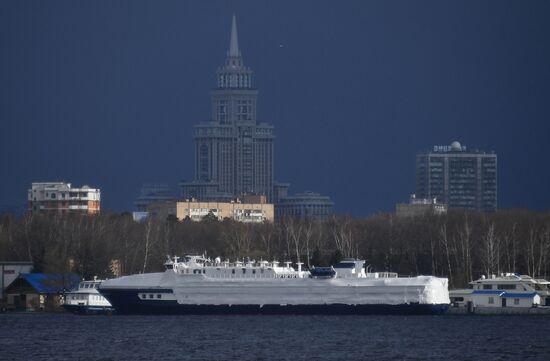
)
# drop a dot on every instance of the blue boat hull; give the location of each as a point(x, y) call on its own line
point(128, 302)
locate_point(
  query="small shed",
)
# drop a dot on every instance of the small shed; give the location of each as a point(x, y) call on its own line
point(39, 291)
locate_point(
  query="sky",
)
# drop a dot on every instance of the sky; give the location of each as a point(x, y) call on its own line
point(106, 93)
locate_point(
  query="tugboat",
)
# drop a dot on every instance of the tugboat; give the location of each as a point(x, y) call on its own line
point(87, 300)
point(198, 285)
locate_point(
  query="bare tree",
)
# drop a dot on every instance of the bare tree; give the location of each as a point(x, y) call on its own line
point(266, 232)
point(490, 250)
point(149, 238)
point(343, 236)
point(293, 230)
point(238, 238)
point(465, 237)
point(308, 233)
point(444, 239)
point(509, 235)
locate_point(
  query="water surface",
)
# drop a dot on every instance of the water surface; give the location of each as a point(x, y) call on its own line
point(70, 337)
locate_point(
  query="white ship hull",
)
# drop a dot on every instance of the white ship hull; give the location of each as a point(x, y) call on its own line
point(170, 292)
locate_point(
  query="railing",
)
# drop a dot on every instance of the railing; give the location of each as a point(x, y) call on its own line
point(382, 275)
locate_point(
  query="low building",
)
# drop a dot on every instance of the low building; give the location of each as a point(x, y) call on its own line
point(241, 212)
point(308, 205)
point(419, 207)
point(196, 210)
point(39, 291)
point(60, 197)
point(10, 271)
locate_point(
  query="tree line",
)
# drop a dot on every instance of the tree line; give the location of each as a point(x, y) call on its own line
point(460, 245)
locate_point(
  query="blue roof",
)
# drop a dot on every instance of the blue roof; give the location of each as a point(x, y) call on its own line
point(504, 294)
point(519, 295)
point(51, 282)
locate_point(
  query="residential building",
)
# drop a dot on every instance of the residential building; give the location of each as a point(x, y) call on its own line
point(61, 198)
point(194, 210)
point(419, 207)
point(233, 151)
point(308, 205)
point(458, 177)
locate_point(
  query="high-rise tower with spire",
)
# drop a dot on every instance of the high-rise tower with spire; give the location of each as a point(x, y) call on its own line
point(233, 151)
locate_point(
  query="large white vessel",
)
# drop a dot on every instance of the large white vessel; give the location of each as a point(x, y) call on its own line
point(86, 299)
point(198, 285)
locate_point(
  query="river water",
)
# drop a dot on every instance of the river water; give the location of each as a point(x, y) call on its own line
point(27, 336)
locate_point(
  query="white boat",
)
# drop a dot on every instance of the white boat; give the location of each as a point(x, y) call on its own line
point(198, 285)
point(507, 293)
point(86, 299)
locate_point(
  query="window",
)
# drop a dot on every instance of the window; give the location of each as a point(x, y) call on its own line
point(151, 295)
point(516, 301)
point(244, 270)
point(203, 271)
point(491, 300)
point(203, 161)
point(506, 287)
point(159, 296)
point(144, 296)
point(253, 271)
point(233, 271)
point(487, 287)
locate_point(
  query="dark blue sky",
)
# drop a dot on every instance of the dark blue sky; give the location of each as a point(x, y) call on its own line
point(106, 93)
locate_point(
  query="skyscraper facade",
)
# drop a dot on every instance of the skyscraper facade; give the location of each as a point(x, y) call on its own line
point(233, 151)
point(458, 177)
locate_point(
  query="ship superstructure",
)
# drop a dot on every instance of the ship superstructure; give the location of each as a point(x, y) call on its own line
point(87, 299)
point(200, 285)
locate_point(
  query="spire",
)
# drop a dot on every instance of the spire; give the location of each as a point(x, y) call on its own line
point(234, 43)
